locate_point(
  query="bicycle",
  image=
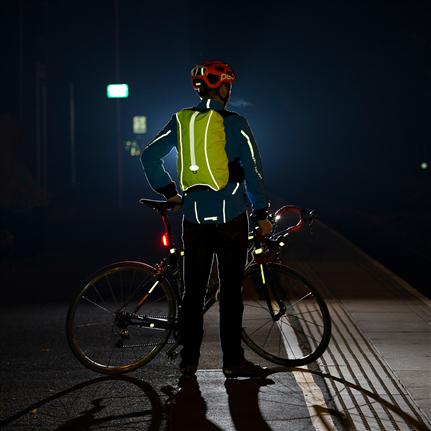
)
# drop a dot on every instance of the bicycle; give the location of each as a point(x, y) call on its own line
point(127, 311)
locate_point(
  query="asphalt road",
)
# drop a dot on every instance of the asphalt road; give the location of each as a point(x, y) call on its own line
point(43, 387)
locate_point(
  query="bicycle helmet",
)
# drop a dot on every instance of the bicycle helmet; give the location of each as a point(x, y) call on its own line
point(212, 74)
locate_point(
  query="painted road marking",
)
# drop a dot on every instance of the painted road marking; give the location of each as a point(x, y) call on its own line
point(313, 396)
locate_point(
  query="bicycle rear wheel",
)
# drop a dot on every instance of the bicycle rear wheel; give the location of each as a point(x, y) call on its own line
point(121, 318)
point(285, 319)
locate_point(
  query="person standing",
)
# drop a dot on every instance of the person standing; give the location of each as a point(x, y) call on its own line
point(221, 177)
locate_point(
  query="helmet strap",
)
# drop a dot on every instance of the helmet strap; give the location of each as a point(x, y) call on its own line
point(225, 98)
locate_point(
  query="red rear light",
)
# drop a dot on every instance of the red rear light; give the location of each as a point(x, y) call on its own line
point(165, 240)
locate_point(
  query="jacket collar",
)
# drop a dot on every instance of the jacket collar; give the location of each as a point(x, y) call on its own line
point(210, 104)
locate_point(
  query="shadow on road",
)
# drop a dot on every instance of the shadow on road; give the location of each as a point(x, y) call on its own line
point(126, 403)
point(409, 420)
point(186, 408)
point(117, 403)
point(244, 404)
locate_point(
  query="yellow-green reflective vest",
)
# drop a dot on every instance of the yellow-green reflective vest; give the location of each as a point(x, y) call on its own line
point(202, 158)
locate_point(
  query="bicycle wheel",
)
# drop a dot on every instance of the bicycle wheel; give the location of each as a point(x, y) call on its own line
point(285, 319)
point(121, 318)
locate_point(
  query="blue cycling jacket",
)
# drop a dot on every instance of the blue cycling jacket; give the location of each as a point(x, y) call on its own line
point(203, 205)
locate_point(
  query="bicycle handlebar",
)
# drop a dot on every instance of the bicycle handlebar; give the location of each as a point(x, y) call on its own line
point(304, 217)
point(266, 247)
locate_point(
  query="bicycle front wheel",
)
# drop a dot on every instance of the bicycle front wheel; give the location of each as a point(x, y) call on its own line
point(121, 318)
point(285, 319)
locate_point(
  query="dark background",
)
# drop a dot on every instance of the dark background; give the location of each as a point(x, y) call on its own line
point(337, 94)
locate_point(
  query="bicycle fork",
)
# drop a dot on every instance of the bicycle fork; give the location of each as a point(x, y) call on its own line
point(271, 296)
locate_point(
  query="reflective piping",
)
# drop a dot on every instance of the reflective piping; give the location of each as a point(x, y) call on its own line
point(208, 103)
point(196, 213)
point(153, 286)
point(160, 137)
point(252, 152)
point(235, 189)
point(224, 211)
point(193, 166)
point(181, 153)
point(206, 153)
point(213, 218)
point(262, 274)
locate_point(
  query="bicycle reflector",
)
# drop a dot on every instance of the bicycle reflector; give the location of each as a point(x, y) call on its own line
point(165, 240)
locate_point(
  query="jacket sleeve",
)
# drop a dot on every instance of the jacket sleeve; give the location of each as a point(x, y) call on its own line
point(253, 171)
point(152, 162)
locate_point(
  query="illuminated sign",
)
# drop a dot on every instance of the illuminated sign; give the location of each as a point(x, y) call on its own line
point(117, 91)
point(139, 125)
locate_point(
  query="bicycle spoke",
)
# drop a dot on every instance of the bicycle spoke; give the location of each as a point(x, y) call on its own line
point(299, 300)
point(133, 298)
point(84, 325)
point(315, 310)
point(286, 341)
point(121, 287)
point(305, 320)
point(110, 288)
point(267, 337)
point(97, 305)
point(296, 330)
point(260, 327)
point(135, 291)
point(95, 288)
point(256, 306)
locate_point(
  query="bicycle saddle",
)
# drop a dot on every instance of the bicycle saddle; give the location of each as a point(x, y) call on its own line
point(157, 205)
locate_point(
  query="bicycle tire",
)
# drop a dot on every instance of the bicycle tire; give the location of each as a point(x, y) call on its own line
point(104, 330)
point(297, 335)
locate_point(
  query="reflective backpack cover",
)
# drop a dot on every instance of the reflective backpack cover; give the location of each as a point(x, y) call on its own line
point(202, 158)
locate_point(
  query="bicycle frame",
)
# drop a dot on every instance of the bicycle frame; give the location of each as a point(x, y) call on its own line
point(261, 250)
point(152, 302)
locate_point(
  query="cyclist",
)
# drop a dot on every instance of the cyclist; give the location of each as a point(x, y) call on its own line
point(215, 218)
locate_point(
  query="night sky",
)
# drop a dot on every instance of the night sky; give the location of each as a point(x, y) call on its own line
point(336, 93)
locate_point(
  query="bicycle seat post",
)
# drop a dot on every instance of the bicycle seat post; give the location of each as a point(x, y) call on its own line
point(168, 231)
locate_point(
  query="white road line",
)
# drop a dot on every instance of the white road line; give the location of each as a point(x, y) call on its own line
point(313, 395)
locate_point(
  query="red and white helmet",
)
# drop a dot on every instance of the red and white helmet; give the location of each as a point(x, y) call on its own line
point(212, 74)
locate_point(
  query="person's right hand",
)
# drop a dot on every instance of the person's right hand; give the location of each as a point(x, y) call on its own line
point(265, 227)
point(177, 200)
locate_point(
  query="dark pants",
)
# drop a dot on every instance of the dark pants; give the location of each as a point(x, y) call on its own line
point(201, 241)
